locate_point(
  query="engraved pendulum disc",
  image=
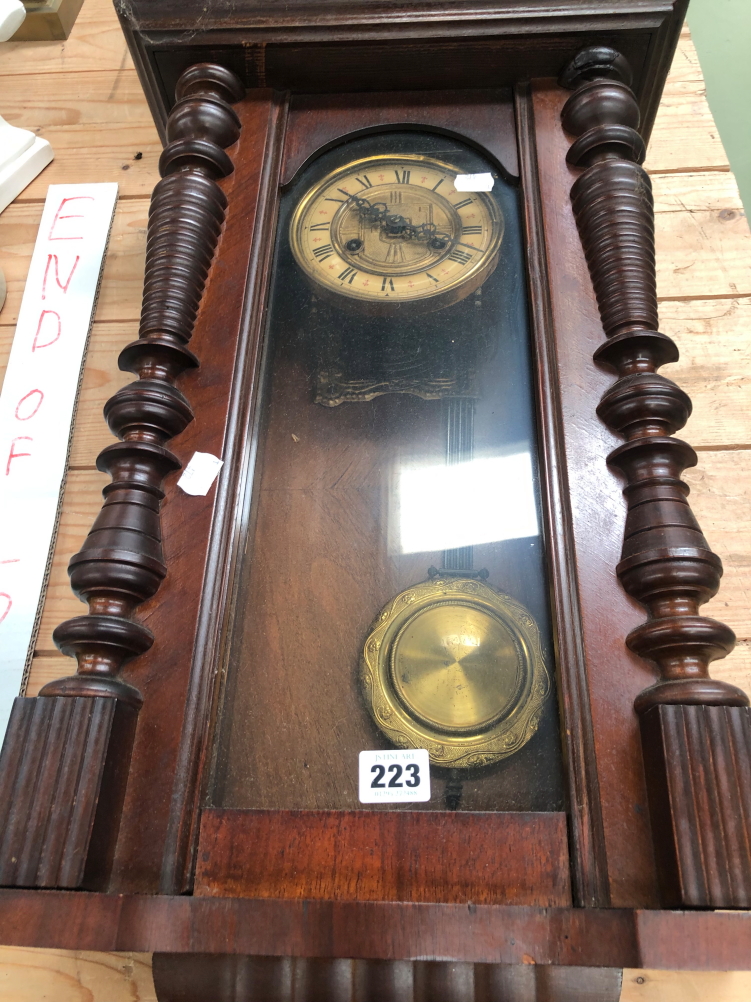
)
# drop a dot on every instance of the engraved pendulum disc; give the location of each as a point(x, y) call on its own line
point(455, 667)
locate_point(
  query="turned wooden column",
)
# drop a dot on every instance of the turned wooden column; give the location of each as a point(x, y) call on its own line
point(696, 731)
point(66, 756)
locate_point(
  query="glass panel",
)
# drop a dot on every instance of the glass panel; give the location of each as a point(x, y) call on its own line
point(393, 589)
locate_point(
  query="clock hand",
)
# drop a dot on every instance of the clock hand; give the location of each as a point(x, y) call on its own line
point(376, 214)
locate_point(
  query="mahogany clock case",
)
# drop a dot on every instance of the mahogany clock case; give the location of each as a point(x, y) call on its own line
point(176, 878)
point(206, 538)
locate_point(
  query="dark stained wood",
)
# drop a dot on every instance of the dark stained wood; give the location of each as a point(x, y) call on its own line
point(62, 782)
point(321, 947)
point(490, 934)
point(65, 755)
point(180, 978)
point(588, 858)
point(614, 675)
point(316, 122)
point(318, 46)
point(177, 678)
point(488, 858)
point(698, 764)
point(666, 564)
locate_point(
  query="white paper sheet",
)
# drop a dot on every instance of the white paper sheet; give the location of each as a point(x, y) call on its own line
point(37, 406)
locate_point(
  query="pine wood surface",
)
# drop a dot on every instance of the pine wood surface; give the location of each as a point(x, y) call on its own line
point(83, 95)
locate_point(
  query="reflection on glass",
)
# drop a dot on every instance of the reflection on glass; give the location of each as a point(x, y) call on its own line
point(392, 530)
point(463, 504)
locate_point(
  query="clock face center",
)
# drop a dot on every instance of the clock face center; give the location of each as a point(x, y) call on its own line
point(401, 230)
point(456, 667)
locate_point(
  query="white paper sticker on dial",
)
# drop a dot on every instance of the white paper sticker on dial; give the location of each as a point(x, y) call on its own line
point(474, 182)
point(398, 775)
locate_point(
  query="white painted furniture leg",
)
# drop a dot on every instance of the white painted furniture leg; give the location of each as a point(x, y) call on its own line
point(12, 16)
point(22, 156)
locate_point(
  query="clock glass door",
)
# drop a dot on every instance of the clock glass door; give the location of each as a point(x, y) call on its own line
point(391, 590)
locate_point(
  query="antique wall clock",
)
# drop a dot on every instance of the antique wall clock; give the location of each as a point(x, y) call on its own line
point(387, 243)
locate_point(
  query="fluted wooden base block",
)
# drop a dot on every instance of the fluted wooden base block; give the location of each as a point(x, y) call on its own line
point(698, 767)
point(63, 770)
point(198, 977)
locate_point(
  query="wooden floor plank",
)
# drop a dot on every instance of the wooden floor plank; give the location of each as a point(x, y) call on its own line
point(736, 668)
point(686, 986)
point(97, 121)
point(47, 668)
point(95, 43)
point(101, 379)
point(122, 283)
point(703, 249)
point(684, 136)
point(721, 500)
point(714, 339)
point(28, 975)
point(135, 176)
point(692, 191)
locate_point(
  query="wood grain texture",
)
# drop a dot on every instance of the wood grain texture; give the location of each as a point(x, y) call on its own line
point(682, 986)
point(608, 937)
point(685, 139)
point(713, 338)
point(702, 238)
point(96, 43)
point(30, 975)
point(96, 122)
point(489, 858)
point(698, 765)
point(728, 528)
point(294, 979)
point(485, 117)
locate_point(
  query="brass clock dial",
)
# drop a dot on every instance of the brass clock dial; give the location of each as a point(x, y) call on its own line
point(386, 231)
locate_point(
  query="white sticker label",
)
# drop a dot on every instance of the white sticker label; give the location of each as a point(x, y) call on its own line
point(200, 473)
point(474, 182)
point(396, 775)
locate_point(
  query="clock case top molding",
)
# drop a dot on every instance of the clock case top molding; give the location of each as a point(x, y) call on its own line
point(301, 100)
point(320, 46)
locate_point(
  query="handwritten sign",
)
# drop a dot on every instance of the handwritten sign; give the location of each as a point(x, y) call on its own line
point(37, 406)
